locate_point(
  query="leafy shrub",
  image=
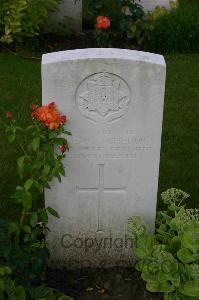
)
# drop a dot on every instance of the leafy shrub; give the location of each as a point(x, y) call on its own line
point(22, 18)
point(122, 14)
point(177, 31)
point(23, 249)
point(169, 260)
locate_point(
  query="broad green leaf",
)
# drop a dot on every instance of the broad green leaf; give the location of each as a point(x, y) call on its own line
point(11, 138)
point(169, 266)
point(9, 286)
point(21, 293)
point(190, 289)
point(26, 229)
point(190, 239)
point(175, 279)
point(33, 219)
point(53, 212)
point(62, 171)
point(163, 287)
point(148, 276)
point(42, 292)
point(35, 143)
point(8, 270)
point(20, 163)
point(186, 256)
point(46, 169)
point(60, 141)
point(52, 134)
point(13, 228)
point(152, 286)
point(27, 200)
point(162, 276)
point(28, 184)
point(43, 215)
point(141, 252)
point(175, 244)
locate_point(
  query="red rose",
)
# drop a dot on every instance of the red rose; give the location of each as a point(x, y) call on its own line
point(103, 22)
point(9, 115)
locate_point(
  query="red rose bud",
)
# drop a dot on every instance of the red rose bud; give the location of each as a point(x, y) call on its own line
point(63, 148)
point(51, 105)
point(9, 115)
point(63, 119)
point(33, 106)
point(33, 114)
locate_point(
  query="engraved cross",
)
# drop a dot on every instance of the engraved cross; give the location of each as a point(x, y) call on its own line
point(100, 190)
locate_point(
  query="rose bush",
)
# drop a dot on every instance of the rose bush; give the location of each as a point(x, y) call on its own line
point(23, 249)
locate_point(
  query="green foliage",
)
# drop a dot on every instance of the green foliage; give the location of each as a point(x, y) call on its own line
point(122, 14)
point(177, 31)
point(169, 260)
point(22, 18)
point(23, 250)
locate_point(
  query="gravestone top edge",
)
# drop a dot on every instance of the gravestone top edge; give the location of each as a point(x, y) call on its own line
point(103, 53)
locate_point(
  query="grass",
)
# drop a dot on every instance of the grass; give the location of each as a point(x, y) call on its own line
point(20, 85)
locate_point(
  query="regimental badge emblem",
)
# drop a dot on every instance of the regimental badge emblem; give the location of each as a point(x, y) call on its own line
point(103, 97)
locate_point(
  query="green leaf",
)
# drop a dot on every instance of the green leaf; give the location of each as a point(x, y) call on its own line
point(46, 169)
point(33, 219)
point(42, 292)
point(8, 270)
point(13, 228)
point(43, 215)
point(52, 134)
point(26, 229)
point(175, 279)
point(163, 287)
point(190, 289)
point(21, 293)
point(190, 239)
point(20, 163)
point(186, 256)
point(2, 271)
point(67, 132)
point(28, 184)
point(60, 141)
point(35, 143)
point(27, 200)
point(62, 171)
point(11, 138)
point(53, 212)
point(169, 266)
point(175, 244)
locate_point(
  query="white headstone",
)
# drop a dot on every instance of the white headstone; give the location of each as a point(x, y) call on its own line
point(149, 5)
point(114, 101)
point(67, 8)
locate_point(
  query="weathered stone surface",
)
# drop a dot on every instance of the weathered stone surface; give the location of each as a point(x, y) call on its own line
point(67, 8)
point(149, 5)
point(114, 101)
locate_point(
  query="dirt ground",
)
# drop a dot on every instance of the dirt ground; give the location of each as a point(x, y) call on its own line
point(98, 284)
